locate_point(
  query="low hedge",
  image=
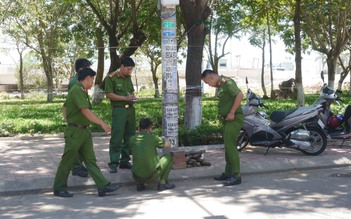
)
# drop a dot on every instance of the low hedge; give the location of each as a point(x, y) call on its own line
point(36, 116)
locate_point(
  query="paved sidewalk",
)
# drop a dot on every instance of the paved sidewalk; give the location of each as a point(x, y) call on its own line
point(28, 164)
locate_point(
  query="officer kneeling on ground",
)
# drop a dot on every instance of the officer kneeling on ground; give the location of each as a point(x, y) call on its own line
point(147, 165)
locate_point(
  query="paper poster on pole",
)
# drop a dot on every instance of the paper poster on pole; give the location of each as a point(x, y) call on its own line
point(172, 127)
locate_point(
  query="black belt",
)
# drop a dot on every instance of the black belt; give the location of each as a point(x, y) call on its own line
point(78, 126)
point(126, 106)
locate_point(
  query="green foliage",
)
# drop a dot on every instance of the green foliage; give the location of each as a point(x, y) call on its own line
point(36, 116)
point(146, 93)
point(201, 135)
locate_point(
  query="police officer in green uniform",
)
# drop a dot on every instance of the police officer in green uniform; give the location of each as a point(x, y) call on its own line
point(230, 97)
point(147, 165)
point(78, 168)
point(119, 89)
point(79, 64)
point(78, 140)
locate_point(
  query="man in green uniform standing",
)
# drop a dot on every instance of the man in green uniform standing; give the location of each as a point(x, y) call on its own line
point(119, 89)
point(79, 64)
point(230, 97)
point(147, 165)
point(78, 168)
point(78, 140)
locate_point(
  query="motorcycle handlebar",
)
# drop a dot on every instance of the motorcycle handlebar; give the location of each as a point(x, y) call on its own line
point(264, 106)
point(338, 99)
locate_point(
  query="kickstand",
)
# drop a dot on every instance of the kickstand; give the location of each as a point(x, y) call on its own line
point(266, 152)
point(342, 143)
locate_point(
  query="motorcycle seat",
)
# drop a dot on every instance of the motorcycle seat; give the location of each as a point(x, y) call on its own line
point(279, 115)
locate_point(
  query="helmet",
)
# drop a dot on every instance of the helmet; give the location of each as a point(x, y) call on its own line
point(333, 121)
point(328, 92)
point(341, 118)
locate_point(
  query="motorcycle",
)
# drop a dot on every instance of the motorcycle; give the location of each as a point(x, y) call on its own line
point(293, 128)
point(336, 126)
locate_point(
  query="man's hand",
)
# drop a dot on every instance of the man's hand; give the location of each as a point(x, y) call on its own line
point(167, 143)
point(106, 128)
point(130, 97)
point(230, 117)
point(64, 113)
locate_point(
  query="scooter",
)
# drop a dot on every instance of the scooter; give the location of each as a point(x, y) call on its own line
point(336, 126)
point(285, 128)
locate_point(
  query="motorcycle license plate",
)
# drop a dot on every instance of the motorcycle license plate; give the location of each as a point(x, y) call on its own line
point(321, 124)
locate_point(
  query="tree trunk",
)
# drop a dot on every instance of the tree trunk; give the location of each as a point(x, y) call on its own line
point(21, 74)
point(114, 58)
point(193, 116)
point(262, 71)
point(270, 56)
point(344, 73)
point(98, 94)
point(101, 56)
point(50, 88)
point(193, 11)
point(298, 71)
point(331, 62)
point(154, 67)
point(214, 57)
point(49, 76)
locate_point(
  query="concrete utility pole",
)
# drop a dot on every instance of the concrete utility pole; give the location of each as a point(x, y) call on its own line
point(170, 91)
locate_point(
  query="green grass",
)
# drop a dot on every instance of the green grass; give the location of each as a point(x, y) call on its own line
point(36, 116)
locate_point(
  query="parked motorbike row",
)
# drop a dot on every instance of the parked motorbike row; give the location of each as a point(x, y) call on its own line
point(304, 128)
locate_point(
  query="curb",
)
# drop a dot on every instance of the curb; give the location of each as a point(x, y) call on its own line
point(29, 163)
point(178, 179)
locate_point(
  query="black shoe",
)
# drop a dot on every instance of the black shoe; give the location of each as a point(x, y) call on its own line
point(108, 188)
point(165, 186)
point(113, 169)
point(63, 194)
point(84, 169)
point(125, 166)
point(140, 187)
point(233, 180)
point(82, 172)
point(222, 177)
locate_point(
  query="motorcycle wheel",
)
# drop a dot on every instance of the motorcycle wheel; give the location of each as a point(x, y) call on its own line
point(318, 141)
point(243, 140)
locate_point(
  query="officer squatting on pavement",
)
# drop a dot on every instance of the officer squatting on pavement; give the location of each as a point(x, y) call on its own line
point(147, 165)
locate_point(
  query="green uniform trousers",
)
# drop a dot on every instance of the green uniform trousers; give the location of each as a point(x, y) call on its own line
point(78, 141)
point(123, 127)
point(78, 163)
point(162, 171)
point(231, 133)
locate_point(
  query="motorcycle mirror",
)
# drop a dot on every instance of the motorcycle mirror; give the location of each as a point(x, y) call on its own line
point(247, 83)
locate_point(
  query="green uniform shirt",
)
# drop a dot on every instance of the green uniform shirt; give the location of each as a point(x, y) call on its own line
point(77, 99)
point(227, 91)
point(143, 148)
point(73, 81)
point(120, 85)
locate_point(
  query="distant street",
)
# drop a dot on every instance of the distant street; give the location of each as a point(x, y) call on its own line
point(323, 193)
